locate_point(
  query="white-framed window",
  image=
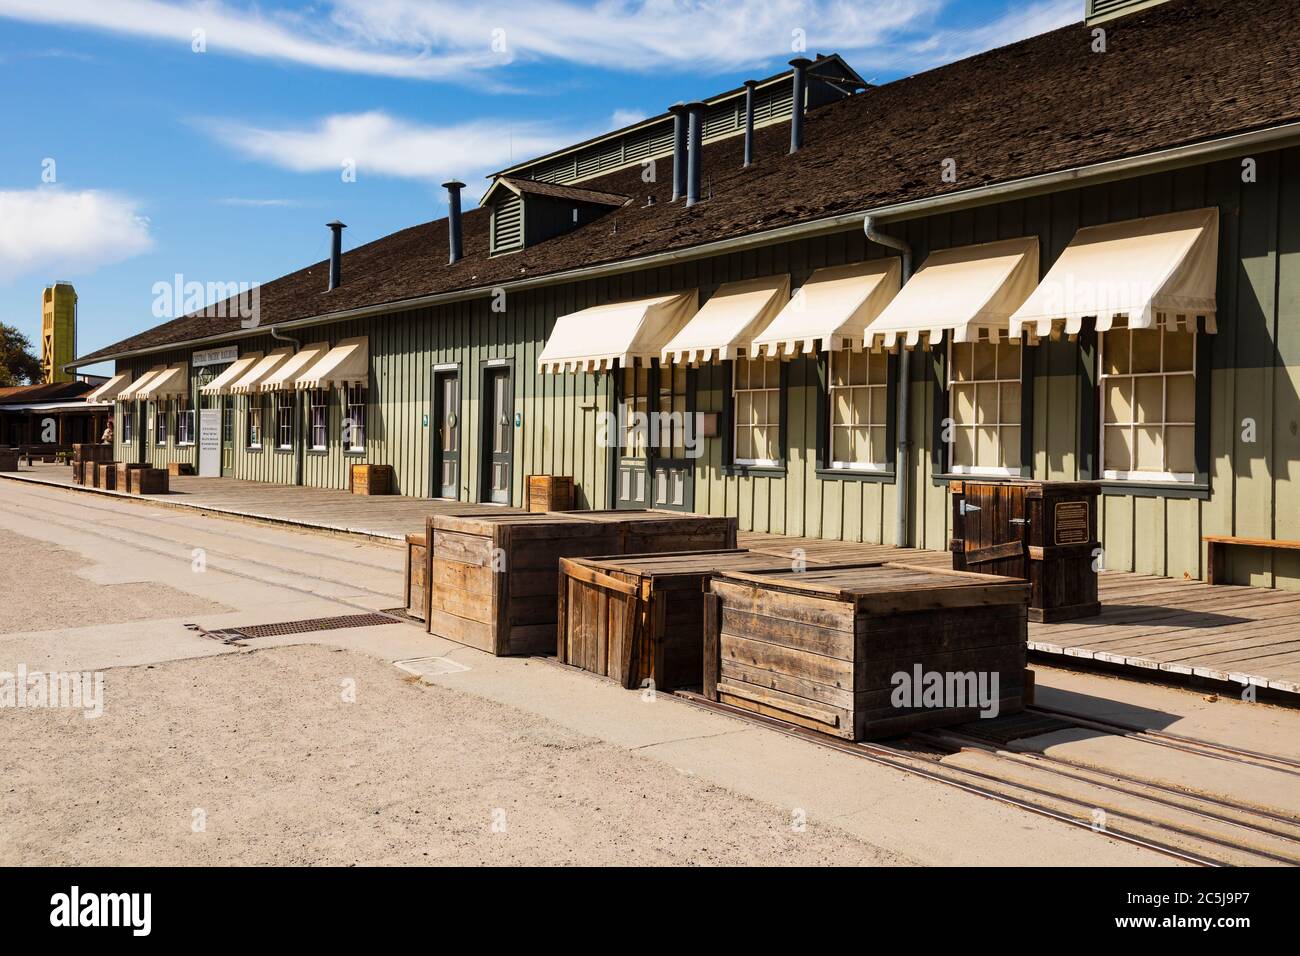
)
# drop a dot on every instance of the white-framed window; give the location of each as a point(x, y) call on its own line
point(984, 405)
point(254, 436)
point(757, 394)
point(318, 405)
point(634, 397)
point(354, 429)
point(160, 422)
point(1148, 404)
point(227, 420)
point(284, 419)
point(859, 410)
point(184, 422)
point(127, 430)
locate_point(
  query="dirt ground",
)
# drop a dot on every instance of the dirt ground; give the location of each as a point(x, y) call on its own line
point(263, 751)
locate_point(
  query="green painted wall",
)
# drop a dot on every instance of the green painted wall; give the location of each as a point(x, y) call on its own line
point(1255, 362)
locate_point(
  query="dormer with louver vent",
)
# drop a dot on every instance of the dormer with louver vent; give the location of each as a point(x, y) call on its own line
point(1097, 11)
point(526, 212)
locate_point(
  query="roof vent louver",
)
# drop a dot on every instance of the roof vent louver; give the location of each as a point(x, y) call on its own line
point(1097, 10)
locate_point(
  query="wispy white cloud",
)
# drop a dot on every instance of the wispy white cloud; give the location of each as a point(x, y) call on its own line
point(452, 40)
point(52, 230)
point(380, 144)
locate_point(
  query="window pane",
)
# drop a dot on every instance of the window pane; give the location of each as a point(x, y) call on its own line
point(839, 368)
point(877, 450)
point(1009, 361)
point(859, 368)
point(1010, 441)
point(1118, 452)
point(1180, 448)
point(1118, 400)
point(986, 360)
point(745, 408)
point(1178, 351)
point(841, 413)
point(861, 405)
point(963, 404)
point(842, 444)
point(1150, 397)
point(986, 448)
point(1180, 398)
point(762, 446)
point(773, 407)
point(1146, 350)
point(879, 367)
point(1150, 444)
point(744, 443)
point(1115, 352)
point(879, 405)
point(963, 446)
point(961, 362)
point(986, 403)
point(1009, 409)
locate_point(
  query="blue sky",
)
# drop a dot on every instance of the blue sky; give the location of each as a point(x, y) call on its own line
point(224, 164)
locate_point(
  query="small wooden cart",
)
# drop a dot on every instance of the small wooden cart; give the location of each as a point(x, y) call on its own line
point(1044, 532)
point(824, 648)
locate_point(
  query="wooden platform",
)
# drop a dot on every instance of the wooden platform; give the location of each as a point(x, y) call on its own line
point(1148, 625)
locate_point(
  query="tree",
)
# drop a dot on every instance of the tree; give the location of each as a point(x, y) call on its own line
point(18, 366)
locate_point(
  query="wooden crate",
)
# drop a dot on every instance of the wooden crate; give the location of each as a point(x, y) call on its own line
point(822, 648)
point(177, 468)
point(147, 481)
point(123, 468)
point(92, 451)
point(106, 475)
point(8, 459)
point(89, 472)
point(494, 578)
point(550, 493)
point(1044, 532)
point(640, 618)
point(370, 479)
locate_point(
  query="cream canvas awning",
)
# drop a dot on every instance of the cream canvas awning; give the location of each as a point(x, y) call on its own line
point(110, 389)
point(171, 382)
point(348, 363)
point(221, 384)
point(283, 377)
point(263, 367)
point(624, 332)
point(734, 314)
point(832, 309)
point(1161, 270)
point(132, 391)
point(969, 292)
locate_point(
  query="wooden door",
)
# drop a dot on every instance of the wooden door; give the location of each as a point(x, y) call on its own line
point(446, 417)
point(633, 482)
point(497, 435)
point(671, 471)
point(991, 520)
point(653, 470)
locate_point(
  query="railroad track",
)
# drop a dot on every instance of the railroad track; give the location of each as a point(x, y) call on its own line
point(1194, 827)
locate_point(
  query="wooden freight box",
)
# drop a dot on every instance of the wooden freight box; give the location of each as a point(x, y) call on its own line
point(550, 493)
point(640, 618)
point(371, 479)
point(106, 476)
point(89, 472)
point(123, 468)
point(1042, 531)
point(8, 459)
point(852, 651)
point(177, 468)
point(494, 577)
point(92, 451)
point(147, 481)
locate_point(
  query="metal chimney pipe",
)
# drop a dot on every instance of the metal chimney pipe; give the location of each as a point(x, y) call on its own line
point(798, 81)
point(336, 254)
point(454, 244)
point(749, 121)
point(695, 160)
point(678, 110)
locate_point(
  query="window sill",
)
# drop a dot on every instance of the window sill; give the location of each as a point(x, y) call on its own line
point(354, 452)
point(943, 478)
point(252, 448)
point(1155, 489)
point(754, 471)
point(317, 450)
point(851, 474)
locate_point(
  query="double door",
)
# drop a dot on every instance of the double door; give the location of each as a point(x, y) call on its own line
point(653, 469)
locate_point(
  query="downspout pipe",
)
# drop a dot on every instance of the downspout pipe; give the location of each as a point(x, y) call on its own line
point(902, 454)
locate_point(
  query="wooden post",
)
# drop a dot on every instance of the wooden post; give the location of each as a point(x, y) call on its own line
point(712, 646)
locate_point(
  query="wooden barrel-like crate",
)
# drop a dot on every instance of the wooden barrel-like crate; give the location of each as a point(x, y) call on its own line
point(106, 475)
point(639, 619)
point(851, 651)
point(494, 580)
point(147, 481)
point(1044, 532)
point(124, 468)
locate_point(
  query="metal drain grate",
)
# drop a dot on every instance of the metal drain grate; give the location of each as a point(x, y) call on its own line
point(303, 627)
point(1003, 730)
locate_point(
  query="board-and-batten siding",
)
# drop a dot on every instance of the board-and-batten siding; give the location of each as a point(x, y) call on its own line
point(1255, 361)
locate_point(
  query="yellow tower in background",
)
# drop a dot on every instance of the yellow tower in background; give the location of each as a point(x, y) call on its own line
point(58, 330)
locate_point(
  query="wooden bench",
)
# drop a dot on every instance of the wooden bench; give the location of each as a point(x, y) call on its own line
point(1217, 552)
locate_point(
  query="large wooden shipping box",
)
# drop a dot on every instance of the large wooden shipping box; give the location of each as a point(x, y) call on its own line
point(825, 648)
point(639, 619)
point(494, 580)
point(1042, 531)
